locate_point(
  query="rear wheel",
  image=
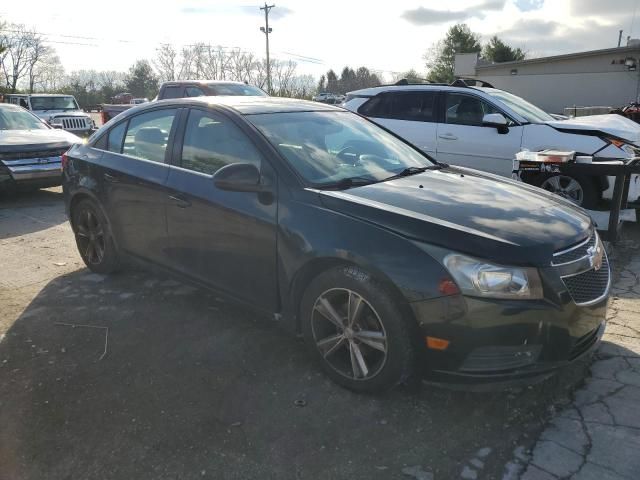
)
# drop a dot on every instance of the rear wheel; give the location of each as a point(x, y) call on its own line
point(353, 326)
point(93, 238)
point(582, 191)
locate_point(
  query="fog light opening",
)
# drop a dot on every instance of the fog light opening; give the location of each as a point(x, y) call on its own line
point(448, 287)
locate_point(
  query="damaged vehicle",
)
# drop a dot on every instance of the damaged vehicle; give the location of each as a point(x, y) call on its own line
point(390, 264)
point(483, 127)
point(30, 150)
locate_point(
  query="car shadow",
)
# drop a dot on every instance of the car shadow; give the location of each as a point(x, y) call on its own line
point(138, 376)
point(28, 212)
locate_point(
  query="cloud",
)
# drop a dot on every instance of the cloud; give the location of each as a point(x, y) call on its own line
point(429, 16)
point(528, 5)
point(585, 8)
point(545, 37)
point(275, 14)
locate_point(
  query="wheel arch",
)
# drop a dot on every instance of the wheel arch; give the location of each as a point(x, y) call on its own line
point(318, 265)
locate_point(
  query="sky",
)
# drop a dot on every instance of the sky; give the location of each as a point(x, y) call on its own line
point(389, 37)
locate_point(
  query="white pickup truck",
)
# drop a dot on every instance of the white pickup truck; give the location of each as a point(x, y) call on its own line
point(59, 111)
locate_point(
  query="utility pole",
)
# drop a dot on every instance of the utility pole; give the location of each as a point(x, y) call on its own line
point(266, 30)
point(620, 38)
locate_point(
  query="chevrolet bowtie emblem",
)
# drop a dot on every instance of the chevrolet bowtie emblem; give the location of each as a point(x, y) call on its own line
point(595, 257)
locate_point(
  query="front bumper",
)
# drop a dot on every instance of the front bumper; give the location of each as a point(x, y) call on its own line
point(496, 343)
point(37, 173)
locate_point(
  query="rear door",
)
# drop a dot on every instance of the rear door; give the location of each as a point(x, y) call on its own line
point(225, 239)
point(133, 173)
point(463, 140)
point(409, 114)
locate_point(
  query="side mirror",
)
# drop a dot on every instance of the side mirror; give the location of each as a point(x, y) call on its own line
point(496, 120)
point(238, 177)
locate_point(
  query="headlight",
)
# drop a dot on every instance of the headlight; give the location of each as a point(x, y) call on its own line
point(482, 279)
point(625, 147)
point(56, 121)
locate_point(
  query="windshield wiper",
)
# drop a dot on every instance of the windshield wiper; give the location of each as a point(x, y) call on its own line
point(414, 170)
point(348, 182)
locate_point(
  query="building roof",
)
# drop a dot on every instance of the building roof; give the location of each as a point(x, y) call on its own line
point(591, 53)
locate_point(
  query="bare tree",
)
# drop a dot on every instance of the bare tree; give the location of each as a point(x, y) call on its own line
point(166, 63)
point(37, 54)
point(15, 63)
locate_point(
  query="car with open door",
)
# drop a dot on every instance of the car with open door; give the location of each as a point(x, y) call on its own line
point(389, 263)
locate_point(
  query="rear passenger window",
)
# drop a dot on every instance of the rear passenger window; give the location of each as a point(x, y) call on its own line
point(171, 92)
point(148, 133)
point(193, 92)
point(411, 106)
point(212, 141)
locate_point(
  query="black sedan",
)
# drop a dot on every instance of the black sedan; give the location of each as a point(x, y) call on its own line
point(30, 150)
point(388, 263)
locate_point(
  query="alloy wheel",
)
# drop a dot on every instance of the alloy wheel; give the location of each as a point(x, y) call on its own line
point(567, 187)
point(90, 237)
point(349, 334)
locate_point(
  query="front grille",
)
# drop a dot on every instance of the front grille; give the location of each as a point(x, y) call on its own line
point(56, 152)
point(590, 285)
point(500, 358)
point(576, 252)
point(584, 269)
point(583, 344)
point(74, 123)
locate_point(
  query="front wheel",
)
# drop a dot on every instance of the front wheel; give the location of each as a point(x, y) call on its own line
point(582, 191)
point(355, 329)
point(93, 238)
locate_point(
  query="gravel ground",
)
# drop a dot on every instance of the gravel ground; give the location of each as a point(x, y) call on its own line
point(139, 376)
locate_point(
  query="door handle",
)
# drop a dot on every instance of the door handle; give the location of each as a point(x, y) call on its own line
point(447, 136)
point(110, 178)
point(180, 201)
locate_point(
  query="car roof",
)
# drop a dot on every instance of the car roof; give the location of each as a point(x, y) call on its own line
point(249, 105)
point(203, 82)
point(370, 92)
point(38, 95)
point(10, 106)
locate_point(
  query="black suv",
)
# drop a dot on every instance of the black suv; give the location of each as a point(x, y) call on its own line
point(387, 262)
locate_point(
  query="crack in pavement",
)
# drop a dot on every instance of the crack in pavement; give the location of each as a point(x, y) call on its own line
point(597, 435)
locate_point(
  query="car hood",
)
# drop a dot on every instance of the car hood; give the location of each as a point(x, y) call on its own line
point(24, 140)
point(611, 124)
point(469, 211)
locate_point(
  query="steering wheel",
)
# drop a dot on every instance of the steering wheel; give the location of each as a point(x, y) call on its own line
point(352, 159)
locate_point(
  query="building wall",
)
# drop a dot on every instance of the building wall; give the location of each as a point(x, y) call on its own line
point(598, 80)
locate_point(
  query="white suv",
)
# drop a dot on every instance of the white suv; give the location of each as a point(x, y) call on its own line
point(483, 128)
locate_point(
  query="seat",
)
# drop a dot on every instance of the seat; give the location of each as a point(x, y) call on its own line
point(469, 112)
point(150, 143)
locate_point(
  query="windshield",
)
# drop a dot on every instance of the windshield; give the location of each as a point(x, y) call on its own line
point(18, 119)
point(53, 103)
point(235, 90)
point(329, 147)
point(525, 109)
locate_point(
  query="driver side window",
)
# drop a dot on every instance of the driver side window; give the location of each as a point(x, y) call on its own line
point(468, 110)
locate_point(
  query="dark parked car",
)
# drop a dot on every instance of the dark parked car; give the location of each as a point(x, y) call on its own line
point(184, 89)
point(387, 262)
point(30, 150)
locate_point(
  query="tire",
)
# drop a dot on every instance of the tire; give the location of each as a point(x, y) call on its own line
point(589, 195)
point(380, 336)
point(93, 238)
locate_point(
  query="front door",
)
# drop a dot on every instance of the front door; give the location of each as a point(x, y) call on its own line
point(225, 239)
point(464, 141)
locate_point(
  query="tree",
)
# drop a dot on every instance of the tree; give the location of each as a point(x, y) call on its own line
point(166, 62)
point(441, 58)
point(142, 81)
point(497, 51)
point(347, 80)
point(332, 82)
point(15, 59)
point(322, 84)
point(411, 76)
